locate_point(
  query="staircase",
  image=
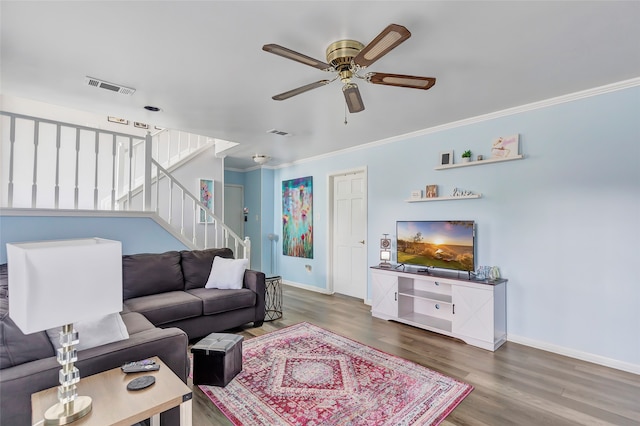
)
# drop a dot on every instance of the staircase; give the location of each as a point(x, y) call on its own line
point(48, 164)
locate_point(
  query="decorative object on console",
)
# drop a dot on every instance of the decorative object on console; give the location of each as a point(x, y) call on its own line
point(432, 191)
point(494, 273)
point(505, 147)
point(205, 188)
point(446, 158)
point(57, 283)
point(385, 251)
point(466, 156)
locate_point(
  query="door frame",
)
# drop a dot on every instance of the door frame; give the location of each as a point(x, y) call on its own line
point(330, 246)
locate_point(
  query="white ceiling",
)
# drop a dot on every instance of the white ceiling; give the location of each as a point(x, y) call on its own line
point(202, 63)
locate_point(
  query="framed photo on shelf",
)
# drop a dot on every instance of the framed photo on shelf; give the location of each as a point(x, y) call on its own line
point(432, 191)
point(446, 158)
point(505, 147)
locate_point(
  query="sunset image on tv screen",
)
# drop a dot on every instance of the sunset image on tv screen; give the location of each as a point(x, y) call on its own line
point(437, 244)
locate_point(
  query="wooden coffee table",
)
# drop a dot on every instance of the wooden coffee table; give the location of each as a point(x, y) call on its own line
point(113, 404)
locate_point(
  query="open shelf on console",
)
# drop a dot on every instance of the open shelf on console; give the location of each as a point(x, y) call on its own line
point(428, 295)
point(427, 321)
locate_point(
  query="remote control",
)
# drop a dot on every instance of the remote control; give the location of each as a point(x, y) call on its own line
point(138, 366)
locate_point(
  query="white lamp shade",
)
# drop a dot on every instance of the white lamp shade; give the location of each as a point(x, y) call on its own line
point(53, 283)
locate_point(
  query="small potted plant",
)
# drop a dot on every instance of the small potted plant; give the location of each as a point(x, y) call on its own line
point(466, 156)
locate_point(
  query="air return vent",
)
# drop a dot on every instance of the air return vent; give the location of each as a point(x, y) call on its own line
point(109, 86)
point(278, 132)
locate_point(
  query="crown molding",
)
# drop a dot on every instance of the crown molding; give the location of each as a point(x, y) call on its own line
point(596, 91)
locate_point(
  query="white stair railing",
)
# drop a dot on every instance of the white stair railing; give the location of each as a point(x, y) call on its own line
point(48, 164)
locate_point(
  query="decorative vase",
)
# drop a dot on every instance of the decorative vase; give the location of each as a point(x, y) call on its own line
point(465, 159)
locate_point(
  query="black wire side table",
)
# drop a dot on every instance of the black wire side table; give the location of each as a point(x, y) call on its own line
point(273, 298)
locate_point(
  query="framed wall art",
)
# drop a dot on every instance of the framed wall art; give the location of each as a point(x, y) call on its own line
point(505, 147)
point(205, 191)
point(297, 217)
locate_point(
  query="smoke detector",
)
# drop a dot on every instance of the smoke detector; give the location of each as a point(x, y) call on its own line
point(261, 159)
point(96, 82)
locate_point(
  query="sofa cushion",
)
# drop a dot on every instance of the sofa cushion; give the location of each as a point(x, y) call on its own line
point(215, 301)
point(196, 265)
point(95, 332)
point(4, 281)
point(151, 273)
point(167, 307)
point(136, 322)
point(16, 347)
point(227, 273)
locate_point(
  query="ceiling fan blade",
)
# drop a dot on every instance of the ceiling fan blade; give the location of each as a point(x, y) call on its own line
point(353, 98)
point(400, 80)
point(302, 89)
point(295, 56)
point(387, 40)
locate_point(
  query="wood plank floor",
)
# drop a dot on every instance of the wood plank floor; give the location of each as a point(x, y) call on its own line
point(516, 385)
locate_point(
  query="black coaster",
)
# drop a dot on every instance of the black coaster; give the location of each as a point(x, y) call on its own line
point(141, 383)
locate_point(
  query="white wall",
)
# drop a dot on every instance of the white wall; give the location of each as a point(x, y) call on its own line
point(562, 224)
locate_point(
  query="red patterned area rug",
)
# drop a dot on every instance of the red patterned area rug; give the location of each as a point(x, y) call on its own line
point(305, 375)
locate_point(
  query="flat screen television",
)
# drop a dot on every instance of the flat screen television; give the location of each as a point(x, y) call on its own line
point(436, 244)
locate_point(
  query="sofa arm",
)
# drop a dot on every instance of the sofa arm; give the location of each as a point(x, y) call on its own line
point(19, 382)
point(255, 280)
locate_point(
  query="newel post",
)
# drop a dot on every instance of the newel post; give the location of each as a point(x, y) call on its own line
point(146, 187)
point(247, 250)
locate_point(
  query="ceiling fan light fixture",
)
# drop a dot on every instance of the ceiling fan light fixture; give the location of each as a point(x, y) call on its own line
point(353, 98)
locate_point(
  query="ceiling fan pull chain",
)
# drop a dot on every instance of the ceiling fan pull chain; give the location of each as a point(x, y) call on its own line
point(345, 113)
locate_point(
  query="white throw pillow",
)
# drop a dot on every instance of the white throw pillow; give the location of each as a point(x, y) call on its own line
point(226, 273)
point(96, 332)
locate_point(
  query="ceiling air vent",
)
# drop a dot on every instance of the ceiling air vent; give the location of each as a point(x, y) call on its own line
point(278, 132)
point(109, 86)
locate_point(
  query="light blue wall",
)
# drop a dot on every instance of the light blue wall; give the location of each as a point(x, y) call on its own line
point(562, 224)
point(268, 217)
point(138, 235)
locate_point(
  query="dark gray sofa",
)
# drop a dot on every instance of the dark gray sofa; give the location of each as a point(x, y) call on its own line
point(168, 289)
point(165, 305)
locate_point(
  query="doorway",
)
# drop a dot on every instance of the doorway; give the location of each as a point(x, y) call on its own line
point(348, 222)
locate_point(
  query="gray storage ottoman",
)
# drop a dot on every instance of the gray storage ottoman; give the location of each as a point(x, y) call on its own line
point(217, 359)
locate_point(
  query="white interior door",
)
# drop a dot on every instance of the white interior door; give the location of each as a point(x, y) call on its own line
point(349, 272)
point(233, 205)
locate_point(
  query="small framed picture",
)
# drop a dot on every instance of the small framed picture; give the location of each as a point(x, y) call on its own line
point(446, 158)
point(432, 191)
point(505, 147)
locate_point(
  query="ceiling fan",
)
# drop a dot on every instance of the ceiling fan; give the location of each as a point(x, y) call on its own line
point(347, 58)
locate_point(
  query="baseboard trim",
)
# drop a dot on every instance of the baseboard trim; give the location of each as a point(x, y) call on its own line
point(572, 353)
point(307, 287)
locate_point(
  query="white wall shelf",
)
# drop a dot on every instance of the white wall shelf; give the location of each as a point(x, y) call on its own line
point(477, 163)
point(461, 197)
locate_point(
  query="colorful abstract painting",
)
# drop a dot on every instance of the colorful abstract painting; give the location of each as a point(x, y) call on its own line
point(206, 198)
point(297, 217)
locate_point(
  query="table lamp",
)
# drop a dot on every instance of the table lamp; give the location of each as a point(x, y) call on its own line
point(57, 283)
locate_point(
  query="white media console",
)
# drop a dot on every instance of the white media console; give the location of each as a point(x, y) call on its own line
point(471, 310)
